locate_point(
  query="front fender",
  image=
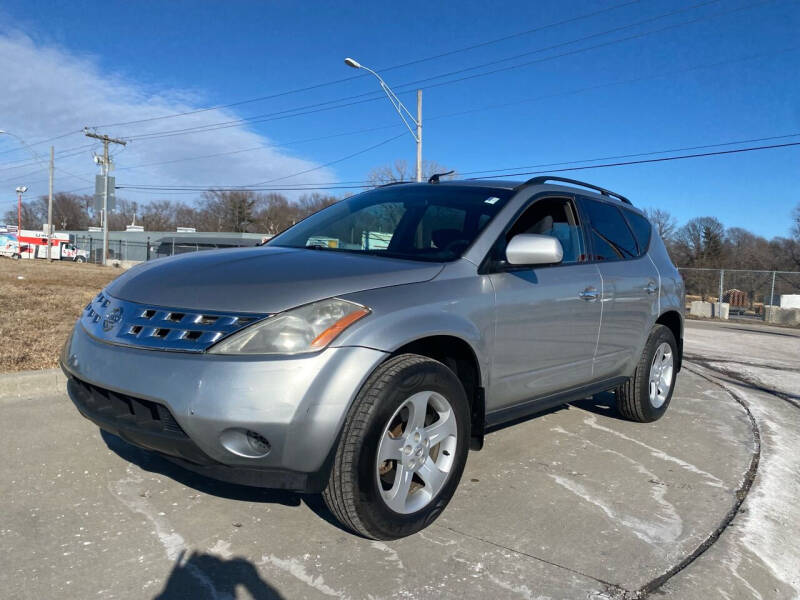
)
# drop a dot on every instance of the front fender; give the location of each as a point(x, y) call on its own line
point(461, 308)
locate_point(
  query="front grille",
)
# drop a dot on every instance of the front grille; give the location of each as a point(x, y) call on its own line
point(140, 422)
point(119, 410)
point(157, 327)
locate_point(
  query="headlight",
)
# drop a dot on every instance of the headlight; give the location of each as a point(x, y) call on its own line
point(308, 328)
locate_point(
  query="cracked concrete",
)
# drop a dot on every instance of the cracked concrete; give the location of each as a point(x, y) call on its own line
point(575, 503)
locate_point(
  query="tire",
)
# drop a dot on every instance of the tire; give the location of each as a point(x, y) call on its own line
point(80, 259)
point(16, 256)
point(635, 398)
point(360, 488)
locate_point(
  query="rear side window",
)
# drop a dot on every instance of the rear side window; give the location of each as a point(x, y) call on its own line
point(611, 237)
point(641, 229)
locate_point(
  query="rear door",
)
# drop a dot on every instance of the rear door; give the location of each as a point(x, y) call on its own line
point(629, 287)
point(547, 317)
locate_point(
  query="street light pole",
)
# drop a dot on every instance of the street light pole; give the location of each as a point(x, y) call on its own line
point(419, 135)
point(24, 189)
point(50, 208)
point(404, 113)
point(21, 189)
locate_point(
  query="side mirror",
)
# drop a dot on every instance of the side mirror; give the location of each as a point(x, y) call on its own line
point(534, 249)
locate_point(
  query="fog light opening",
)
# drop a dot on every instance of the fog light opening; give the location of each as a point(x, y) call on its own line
point(258, 442)
point(244, 442)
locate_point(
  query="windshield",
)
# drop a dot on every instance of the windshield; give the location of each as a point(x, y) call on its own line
point(415, 222)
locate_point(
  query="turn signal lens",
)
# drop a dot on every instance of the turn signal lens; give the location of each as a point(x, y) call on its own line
point(327, 336)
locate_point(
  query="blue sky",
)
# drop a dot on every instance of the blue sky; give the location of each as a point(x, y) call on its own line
point(80, 63)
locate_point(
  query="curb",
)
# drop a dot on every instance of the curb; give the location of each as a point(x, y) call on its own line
point(30, 383)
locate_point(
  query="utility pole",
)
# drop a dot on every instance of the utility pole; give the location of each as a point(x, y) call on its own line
point(106, 164)
point(50, 207)
point(419, 136)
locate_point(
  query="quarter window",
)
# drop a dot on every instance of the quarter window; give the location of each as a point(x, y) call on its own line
point(641, 229)
point(611, 237)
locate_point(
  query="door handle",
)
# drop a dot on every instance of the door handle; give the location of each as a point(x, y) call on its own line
point(651, 288)
point(589, 294)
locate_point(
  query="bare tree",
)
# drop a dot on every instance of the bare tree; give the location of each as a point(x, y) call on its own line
point(665, 223)
point(233, 210)
point(159, 215)
point(309, 204)
point(274, 214)
point(29, 217)
point(400, 170)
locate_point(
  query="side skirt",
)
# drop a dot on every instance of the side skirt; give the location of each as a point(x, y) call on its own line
point(541, 404)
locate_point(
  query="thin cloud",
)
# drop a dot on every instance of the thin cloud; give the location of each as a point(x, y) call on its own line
point(48, 91)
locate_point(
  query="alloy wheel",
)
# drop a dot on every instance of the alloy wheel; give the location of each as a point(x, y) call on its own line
point(416, 452)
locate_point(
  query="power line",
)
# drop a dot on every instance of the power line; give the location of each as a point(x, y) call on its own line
point(312, 186)
point(413, 84)
point(644, 161)
point(316, 168)
point(66, 153)
point(651, 153)
point(464, 112)
point(362, 98)
point(263, 147)
point(333, 162)
point(51, 139)
point(383, 69)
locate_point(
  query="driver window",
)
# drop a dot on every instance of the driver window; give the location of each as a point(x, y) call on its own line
point(555, 217)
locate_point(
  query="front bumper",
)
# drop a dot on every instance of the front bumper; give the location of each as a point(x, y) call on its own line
point(298, 404)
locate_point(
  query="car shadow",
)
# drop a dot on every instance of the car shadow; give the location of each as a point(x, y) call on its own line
point(202, 575)
point(604, 404)
point(154, 463)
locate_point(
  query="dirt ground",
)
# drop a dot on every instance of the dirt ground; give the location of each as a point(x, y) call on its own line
point(39, 303)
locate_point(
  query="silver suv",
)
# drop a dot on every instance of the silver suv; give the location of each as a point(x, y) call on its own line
point(364, 351)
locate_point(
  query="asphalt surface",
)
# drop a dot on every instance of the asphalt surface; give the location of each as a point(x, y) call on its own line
point(575, 503)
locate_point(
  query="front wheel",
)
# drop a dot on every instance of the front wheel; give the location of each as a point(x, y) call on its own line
point(402, 451)
point(80, 259)
point(646, 396)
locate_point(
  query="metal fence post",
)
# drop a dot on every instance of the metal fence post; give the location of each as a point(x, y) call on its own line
point(771, 298)
point(772, 291)
point(147, 251)
point(719, 299)
point(91, 255)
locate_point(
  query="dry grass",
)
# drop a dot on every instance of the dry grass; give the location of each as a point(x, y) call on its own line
point(39, 304)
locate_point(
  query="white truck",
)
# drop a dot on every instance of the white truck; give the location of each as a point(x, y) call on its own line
point(33, 244)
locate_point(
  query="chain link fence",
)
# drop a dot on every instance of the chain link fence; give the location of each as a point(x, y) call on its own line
point(130, 252)
point(772, 296)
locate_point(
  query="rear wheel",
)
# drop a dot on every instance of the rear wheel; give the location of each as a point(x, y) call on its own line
point(402, 451)
point(646, 396)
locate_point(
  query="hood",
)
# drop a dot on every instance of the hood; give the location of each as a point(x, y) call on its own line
point(263, 279)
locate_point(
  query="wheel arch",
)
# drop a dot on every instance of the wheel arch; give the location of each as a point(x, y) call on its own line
point(459, 356)
point(673, 320)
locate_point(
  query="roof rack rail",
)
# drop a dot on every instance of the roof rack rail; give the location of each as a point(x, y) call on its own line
point(393, 183)
point(542, 179)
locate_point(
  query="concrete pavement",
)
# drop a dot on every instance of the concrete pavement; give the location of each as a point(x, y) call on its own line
point(576, 503)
